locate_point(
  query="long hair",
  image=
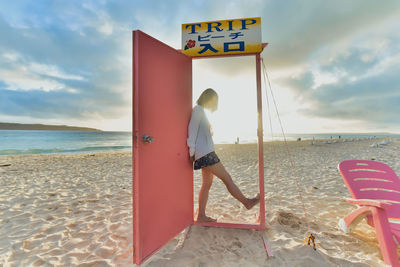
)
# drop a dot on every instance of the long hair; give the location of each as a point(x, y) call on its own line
point(205, 96)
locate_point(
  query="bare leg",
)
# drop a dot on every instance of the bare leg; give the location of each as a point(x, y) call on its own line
point(219, 170)
point(203, 196)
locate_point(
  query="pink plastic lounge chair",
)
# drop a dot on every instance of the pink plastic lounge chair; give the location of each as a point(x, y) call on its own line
point(375, 188)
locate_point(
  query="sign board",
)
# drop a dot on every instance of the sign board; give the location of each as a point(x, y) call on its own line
point(223, 37)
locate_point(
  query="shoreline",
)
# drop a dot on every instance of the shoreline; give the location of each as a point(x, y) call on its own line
point(70, 153)
point(334, 140)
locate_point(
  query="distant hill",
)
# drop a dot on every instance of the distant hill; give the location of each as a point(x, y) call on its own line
point(21, 126)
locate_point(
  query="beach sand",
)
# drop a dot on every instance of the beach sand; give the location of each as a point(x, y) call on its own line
point(76, 210)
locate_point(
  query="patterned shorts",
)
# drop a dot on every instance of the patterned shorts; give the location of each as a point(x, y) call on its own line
point(206, 160)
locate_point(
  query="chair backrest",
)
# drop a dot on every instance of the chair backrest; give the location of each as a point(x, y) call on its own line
point(369, 179)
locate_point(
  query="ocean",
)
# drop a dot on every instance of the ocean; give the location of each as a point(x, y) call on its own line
point(17, 142)
point(305, 136)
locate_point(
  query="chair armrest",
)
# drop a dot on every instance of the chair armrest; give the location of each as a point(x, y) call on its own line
point(370, 202)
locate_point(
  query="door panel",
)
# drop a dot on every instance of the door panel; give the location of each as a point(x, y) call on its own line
point(162, 171)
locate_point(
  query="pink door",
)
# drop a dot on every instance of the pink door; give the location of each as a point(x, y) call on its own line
point(162, 171)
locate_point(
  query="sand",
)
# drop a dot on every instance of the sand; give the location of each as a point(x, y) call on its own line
point(75, 210)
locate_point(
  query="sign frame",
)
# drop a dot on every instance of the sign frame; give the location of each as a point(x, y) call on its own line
point(222, 37)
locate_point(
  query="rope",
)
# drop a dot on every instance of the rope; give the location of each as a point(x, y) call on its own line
point(273, 144)
point(310, 237)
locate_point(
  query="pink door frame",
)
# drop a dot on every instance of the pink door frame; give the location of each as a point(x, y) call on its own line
point(139, 256)
point(261, 218)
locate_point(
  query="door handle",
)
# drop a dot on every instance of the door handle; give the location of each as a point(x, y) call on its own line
point(147, 139)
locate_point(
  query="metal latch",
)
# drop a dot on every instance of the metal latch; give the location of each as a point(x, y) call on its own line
point(147, 139)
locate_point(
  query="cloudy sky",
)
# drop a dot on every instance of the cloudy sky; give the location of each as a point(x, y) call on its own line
point(334, 65)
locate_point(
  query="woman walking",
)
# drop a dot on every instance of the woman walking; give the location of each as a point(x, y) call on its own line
point(201, 151)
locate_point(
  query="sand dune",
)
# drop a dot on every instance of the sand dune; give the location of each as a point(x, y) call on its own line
point(75, 210)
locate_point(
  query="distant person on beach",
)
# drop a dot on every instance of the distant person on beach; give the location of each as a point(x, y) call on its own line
point(237, 140)
point(202, 153)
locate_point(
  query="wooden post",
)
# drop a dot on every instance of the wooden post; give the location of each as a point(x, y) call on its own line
point(260, 142)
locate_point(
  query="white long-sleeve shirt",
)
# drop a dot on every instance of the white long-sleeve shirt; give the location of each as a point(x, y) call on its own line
point(200, 126)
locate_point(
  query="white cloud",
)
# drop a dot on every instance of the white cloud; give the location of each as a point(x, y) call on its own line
point(23, 75)
point(52, 71)
point(106, 28)
point(11, 56)
point(22, 79)
point(324, 78)
point(101, 21)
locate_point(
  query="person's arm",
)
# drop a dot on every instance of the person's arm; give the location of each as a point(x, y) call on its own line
point(193, 128)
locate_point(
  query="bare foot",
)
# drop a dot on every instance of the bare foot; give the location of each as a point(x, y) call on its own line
point(252, 201)
point(205, 218)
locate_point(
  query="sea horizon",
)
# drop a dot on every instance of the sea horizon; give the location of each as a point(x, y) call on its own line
point(308, 136)
point(21, 142)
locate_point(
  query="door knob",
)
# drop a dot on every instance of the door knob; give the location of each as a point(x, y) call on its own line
point(147, 139)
